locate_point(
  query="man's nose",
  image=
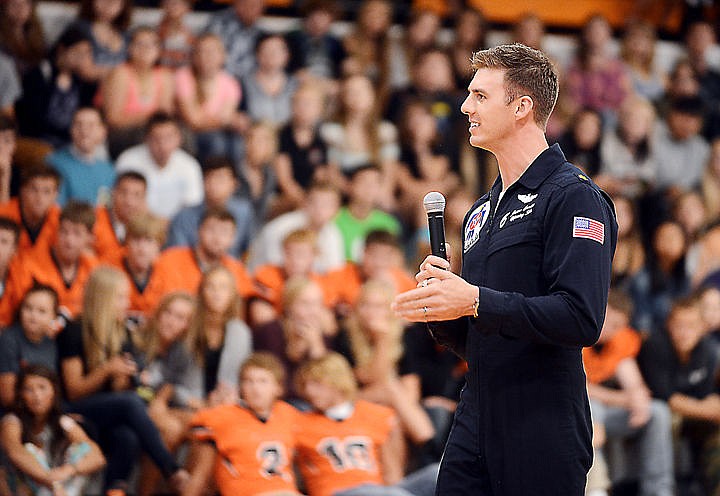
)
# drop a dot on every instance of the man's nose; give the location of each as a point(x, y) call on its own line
point(464, 107)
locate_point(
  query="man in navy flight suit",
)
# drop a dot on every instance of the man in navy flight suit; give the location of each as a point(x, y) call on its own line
point(537, 253)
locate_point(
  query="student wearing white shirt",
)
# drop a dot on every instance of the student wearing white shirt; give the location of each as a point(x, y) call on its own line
point(173, 175)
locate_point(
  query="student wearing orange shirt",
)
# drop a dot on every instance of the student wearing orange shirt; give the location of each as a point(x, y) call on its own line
point(128, 200)
point(184, 266)
point(382, 259)
point(246, 447)
point(621, 403)
point(64, 265)
point(144, 237)
point(35, 209)
point(349, 447)
point(299, 253)
point(9, 237)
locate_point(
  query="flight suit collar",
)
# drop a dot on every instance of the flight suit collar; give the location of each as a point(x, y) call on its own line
point(544, 165)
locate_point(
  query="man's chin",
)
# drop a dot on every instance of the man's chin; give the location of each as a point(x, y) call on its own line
point(477, 142)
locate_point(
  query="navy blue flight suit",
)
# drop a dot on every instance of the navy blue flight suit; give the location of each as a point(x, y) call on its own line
point(542, 261)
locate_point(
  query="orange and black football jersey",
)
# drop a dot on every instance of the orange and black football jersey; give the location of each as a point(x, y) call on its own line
point(334, 455)
point(253, 456)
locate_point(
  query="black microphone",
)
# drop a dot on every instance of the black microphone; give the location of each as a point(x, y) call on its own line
point(434, 204)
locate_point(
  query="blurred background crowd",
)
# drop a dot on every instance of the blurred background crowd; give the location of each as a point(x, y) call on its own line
point(206, 204)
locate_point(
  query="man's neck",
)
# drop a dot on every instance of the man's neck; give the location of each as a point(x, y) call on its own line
point(65, 264)
point(115, 216)
point(84, 155)
point(515, 156)
point(32, 221)
point(683, 357)
point(261, 413)
point(160, 163)
point(139, 273)
point(204, 258)
point(360, 210)
point(216, 203)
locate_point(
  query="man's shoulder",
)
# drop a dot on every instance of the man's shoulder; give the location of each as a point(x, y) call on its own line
point(239, 207)
point(378, 216)
point(572, 184)
point(218, 416)
point(11, 336)
point(135, 157)
point(568, 174)
point(176, 253)
point(224, 16)
point(61, 157)
point(11, 208)
point(190, 213)
point(102, 215)
point(183, 160)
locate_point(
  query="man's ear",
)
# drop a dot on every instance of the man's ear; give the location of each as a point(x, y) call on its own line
point(523, 107)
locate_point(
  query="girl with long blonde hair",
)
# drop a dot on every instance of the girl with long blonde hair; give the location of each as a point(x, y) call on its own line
point(171, 381)
point(99, 367)
point(103, 324)
point(218, 337)
point(374, 336)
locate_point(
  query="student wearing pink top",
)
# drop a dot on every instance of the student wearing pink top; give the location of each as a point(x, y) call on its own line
point(208, 99)
point(135, 90)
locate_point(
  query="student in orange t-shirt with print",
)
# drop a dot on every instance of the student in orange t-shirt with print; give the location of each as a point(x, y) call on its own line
point(382, 259)
point(183, 266)
point(144, 238)
point(246, 447)
point(299, 253)
point(35, 208)
point(348, 446)
point(128, 199)
point(65, 265)
point(9, 237)
point(621, 403)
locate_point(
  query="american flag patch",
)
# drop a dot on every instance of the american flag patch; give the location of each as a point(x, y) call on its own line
point(584, 227)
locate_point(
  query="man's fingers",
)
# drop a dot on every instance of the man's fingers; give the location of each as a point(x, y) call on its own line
point(411, 296)
point(436, 261)
point(430, 271)
point(448, 252)
point(424, 283)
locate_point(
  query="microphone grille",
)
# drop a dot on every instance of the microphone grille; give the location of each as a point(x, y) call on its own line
point(434, 202)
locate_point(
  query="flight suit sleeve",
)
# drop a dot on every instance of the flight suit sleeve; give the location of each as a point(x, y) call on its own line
point(576, 270)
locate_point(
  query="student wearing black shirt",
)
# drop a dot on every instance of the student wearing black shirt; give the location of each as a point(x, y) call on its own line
point(680, 367)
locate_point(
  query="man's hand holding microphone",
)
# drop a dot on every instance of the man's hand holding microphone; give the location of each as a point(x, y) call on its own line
point(440, 294)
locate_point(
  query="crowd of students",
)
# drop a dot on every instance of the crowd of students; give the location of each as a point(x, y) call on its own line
point(196, 225)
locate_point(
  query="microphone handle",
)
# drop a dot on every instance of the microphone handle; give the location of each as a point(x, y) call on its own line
point(436, 225)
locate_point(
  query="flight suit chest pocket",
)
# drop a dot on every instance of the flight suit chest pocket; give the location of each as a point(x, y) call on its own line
point(522, 234)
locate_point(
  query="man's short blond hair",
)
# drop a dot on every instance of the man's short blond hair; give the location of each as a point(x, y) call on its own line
point(527, 72)
point(147, 225)
point(332, 369)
